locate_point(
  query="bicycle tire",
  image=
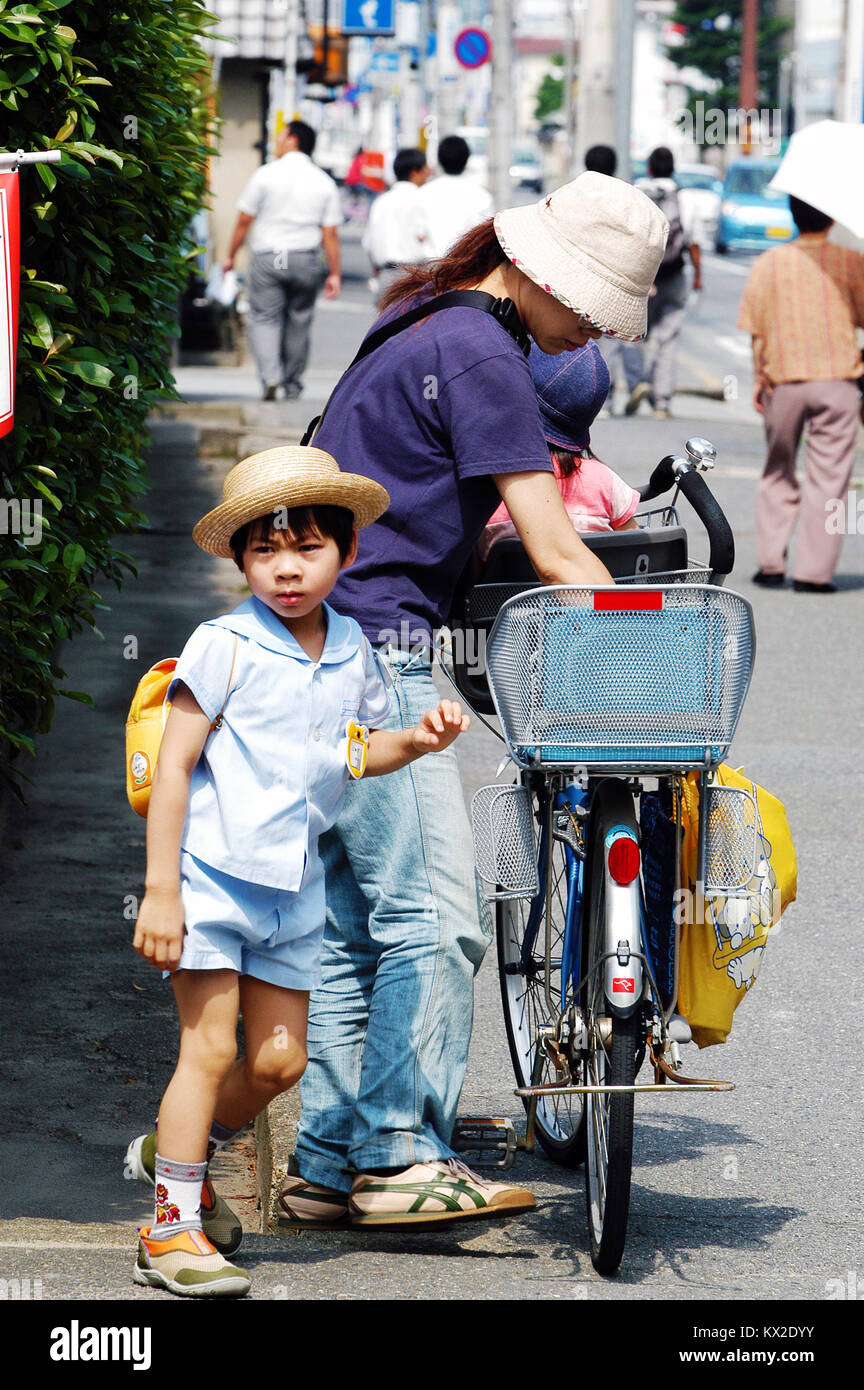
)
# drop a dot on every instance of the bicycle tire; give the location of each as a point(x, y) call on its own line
point(560, 1121)
point(609, 1118)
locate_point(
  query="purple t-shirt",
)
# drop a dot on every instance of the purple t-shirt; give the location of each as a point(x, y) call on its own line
point(432, 414)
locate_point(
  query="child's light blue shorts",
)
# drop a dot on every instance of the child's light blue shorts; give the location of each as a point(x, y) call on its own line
point(265, 932)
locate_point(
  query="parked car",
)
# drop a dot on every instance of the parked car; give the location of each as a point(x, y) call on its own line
point(699, 197)
point(752, 215)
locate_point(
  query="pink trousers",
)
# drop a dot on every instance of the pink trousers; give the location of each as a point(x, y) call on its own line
point(830, 409)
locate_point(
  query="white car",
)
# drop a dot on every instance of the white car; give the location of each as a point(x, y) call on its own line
point(700, 194)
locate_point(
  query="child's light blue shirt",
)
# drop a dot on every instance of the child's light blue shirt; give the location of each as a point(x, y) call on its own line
point(271, 780)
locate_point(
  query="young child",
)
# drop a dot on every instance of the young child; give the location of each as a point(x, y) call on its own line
point(252, 769)
point(571, 389)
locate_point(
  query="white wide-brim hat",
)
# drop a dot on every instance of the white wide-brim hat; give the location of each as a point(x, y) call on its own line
point(291, 476)
point(596, 245)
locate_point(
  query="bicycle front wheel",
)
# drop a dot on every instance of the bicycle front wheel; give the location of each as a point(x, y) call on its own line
point(613, 1045)
point(531, 1001)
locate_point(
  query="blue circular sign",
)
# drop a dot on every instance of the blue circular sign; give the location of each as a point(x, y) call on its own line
point(473, 48)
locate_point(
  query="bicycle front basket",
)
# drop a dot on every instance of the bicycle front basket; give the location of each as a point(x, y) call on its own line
point(650, 676)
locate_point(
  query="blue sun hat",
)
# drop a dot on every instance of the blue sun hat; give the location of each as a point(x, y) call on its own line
point(571, 388)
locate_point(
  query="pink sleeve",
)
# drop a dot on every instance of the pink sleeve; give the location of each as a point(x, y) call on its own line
point(625, 501)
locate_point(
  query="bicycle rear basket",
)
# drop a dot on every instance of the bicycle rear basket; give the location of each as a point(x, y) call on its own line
point(640, 677)
point(504, 842)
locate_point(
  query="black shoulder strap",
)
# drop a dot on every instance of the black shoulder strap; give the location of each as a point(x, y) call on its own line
point(504, 310)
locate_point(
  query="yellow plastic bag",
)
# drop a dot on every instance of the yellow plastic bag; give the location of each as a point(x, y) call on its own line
point(723, 938)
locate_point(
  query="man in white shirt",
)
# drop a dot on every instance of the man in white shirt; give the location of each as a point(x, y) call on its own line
point(293, 210)
point(396, 231)
point(454, 202)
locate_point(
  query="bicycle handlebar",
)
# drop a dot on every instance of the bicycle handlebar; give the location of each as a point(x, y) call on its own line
point(671, 471)
point(661, 480)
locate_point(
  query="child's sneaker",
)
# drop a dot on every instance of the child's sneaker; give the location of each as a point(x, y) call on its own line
point(187, 1264)
point(220, 1224)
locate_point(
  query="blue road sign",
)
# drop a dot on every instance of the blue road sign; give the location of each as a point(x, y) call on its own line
point(369, 17)
point(473, 48)
point(385, 62)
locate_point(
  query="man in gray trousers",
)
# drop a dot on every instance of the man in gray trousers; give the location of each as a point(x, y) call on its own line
point(293, 210)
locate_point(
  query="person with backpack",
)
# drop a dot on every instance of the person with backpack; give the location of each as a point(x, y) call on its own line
point(668, 302)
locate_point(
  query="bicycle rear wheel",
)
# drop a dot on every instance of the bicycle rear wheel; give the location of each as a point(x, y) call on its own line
point(613, 1045)
point(560, 1122)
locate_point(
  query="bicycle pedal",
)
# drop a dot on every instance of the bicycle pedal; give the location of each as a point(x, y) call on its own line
point(484, 1142)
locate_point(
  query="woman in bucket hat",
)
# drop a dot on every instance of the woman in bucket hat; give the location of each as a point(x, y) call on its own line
point(444, 415)
point(263, 733)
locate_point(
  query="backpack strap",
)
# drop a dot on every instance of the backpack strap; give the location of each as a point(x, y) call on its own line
point(504, 310)
point(217, 722)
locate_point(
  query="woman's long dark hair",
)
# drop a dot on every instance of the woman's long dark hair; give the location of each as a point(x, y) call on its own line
point(474, 256)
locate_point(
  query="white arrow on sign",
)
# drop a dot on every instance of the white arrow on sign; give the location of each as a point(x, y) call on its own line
point(369, 13)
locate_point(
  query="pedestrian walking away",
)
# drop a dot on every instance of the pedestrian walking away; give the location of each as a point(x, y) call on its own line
point(802, 305)
point(396, 231)
point(271, 708)
point(668, 303)
point(444, 414)
point(453, 202)
point(290, 211)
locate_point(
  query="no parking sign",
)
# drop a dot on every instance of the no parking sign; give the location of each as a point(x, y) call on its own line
point(473, 48)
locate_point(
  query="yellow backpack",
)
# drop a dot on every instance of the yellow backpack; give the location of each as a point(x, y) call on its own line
point(723, 940)
point(145, 725)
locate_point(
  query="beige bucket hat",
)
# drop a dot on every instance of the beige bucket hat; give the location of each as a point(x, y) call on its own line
point(596, 245)
point(292, 476)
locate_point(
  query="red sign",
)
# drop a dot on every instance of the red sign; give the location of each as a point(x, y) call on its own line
point(629, 600)
point(9, 275)
point(623, 986)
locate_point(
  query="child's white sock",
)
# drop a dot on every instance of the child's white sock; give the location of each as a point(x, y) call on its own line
point(178, 1197)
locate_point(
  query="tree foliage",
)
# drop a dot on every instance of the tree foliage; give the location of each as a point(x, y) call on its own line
point(121, 90)
point(549, 97)
point(716, 51)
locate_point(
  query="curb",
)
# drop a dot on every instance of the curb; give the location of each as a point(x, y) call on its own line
point(237, 430)
point(275, 1135)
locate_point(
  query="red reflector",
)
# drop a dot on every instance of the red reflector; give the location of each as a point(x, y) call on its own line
point(624, 860)
point(622, 601)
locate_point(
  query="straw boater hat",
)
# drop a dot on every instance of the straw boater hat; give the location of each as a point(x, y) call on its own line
point(292, 476)
point(595, 244)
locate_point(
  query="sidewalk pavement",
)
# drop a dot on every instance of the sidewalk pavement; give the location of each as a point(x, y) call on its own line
point(91, 1029)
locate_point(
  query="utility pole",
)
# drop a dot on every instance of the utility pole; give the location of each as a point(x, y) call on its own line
point(501, 103)
point(605, 79)
point(624, 87)
point(569, 82)
point(748, 91)
point(289, 91)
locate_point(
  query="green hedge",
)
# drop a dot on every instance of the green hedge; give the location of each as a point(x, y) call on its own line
point(122, 91)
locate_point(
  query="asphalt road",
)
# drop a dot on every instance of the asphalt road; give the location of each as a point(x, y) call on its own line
point(750, 1196)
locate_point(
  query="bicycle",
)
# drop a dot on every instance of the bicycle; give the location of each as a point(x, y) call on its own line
point(607, 697)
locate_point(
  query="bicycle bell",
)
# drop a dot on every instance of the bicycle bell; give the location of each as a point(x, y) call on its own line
point(701, 452)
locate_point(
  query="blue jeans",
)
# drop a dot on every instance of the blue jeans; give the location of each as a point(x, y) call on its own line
point(389, 1026)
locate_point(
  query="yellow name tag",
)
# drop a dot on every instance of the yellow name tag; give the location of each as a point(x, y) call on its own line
point(357, 736)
